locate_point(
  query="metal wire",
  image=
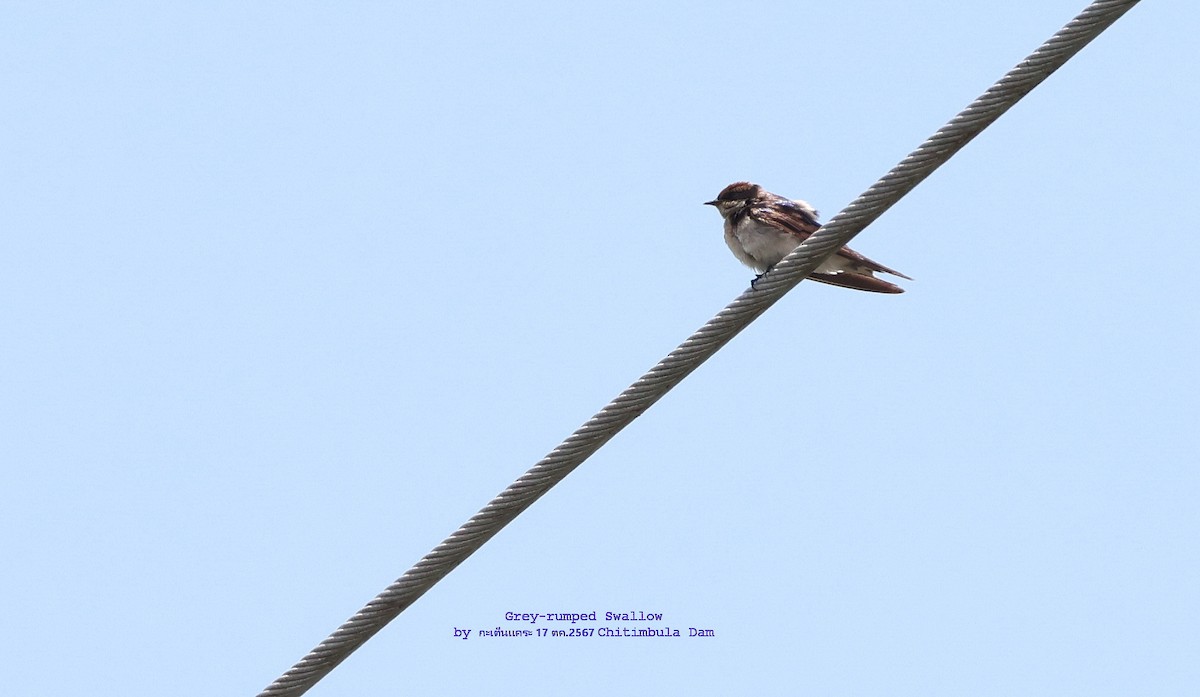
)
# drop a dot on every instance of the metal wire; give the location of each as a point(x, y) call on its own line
point(718, 331)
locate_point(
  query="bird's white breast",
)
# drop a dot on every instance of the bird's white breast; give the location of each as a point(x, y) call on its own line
point(758, 246)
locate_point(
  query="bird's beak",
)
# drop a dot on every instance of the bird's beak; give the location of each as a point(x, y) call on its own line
point(710, 203)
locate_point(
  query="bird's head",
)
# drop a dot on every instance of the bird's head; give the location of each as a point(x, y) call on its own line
point(734, 197)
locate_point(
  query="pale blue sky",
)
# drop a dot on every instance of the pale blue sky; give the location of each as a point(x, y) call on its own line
point(291, 290)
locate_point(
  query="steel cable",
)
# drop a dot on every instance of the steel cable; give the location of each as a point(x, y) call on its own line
point(718, 331)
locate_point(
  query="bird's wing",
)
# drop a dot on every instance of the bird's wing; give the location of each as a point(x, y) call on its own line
point(800, 219)
point(857, 281)
point(796, 217)
point(871, 264)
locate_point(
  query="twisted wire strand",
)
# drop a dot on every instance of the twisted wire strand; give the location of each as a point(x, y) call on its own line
point(698, 348)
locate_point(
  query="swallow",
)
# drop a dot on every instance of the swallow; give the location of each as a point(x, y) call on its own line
point(761, 228)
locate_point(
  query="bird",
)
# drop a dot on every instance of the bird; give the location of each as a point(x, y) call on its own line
point(761, 228)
